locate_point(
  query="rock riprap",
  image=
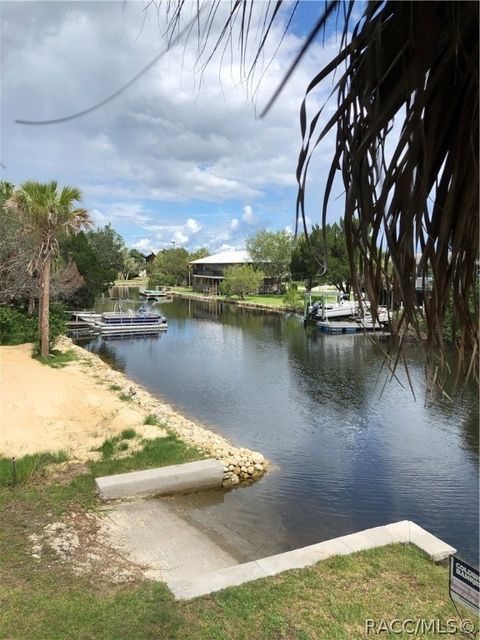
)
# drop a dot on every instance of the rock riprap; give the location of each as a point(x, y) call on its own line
point(240, 464)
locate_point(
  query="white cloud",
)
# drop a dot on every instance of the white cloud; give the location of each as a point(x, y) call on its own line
point(98, 218)
point(193, 225)
point(248, 216)
point(180, 238)
point(164, 140)
point(145, 245)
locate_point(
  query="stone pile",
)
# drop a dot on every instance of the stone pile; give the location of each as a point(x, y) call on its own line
point(240, 464)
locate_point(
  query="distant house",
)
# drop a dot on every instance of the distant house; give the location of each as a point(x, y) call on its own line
point(206, 274)
point(150, 258)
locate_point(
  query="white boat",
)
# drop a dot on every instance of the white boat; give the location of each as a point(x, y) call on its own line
point(154, 294)
point(328, 310)
point(143, 320)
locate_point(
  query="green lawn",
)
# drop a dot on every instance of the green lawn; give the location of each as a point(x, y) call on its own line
point(45, 599)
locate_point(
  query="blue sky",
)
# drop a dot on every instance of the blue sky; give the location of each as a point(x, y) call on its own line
point(172, 159)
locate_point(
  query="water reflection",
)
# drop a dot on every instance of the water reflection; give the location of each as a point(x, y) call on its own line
point(348, 455)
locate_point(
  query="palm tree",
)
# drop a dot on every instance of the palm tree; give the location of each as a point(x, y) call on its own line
point(47, 214)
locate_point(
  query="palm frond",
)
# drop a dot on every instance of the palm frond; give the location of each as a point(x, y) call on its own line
point(415, 63)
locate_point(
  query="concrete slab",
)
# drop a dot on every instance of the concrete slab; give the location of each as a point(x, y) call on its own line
point(216, 580)
point(333, 547)
point(436, 549)
point(370, 538)
point(399, 530)
point(299, 558)
point(192, 476)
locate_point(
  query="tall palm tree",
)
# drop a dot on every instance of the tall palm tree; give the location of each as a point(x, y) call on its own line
point(47, 213)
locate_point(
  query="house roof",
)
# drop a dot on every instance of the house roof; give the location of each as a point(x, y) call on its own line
point(225, 257)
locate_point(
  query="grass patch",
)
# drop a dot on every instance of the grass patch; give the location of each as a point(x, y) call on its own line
point(116, 443)
point(267, 300)
point(115, 387)
point(128, 434)
point(27, 467)
point(151, 419)
point(57, 359)
point(158, 452)
point(125, 398)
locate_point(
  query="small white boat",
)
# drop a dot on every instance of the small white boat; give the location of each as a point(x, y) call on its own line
point(327, 310)
point(154, 294)
point(342, 309)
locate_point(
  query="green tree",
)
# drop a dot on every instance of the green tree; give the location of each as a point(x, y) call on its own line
point(133, 263)
point(48, 214)
point(16, 252)
point(273, 251)
point(199, 253)
point(306, 259)
point(241, 280)
point(97, 277)
point(308, 262)
point(19, 284)
point(109, 247)
point(138, 262)
point(170, 267)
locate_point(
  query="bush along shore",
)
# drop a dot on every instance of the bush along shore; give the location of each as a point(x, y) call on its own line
point(239, 464)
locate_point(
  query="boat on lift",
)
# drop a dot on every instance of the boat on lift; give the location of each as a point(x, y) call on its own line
point(342, 308)
point(156, 294)
point(358, 324)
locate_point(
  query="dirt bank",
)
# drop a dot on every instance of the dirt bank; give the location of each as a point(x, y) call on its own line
point(45, 409)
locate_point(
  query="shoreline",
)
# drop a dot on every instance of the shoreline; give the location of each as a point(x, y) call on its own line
point(240, 464)
point(237, 303)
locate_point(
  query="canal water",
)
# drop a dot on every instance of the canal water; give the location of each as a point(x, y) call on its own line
point(347, 452)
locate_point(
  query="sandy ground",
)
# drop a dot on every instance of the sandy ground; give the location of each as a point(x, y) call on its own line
point(46, 409)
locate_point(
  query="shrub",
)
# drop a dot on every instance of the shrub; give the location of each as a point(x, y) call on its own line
point(16, 327)
point(292, 299)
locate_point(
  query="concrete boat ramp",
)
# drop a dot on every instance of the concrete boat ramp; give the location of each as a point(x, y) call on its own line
point(195, 559)
point(157, 535)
